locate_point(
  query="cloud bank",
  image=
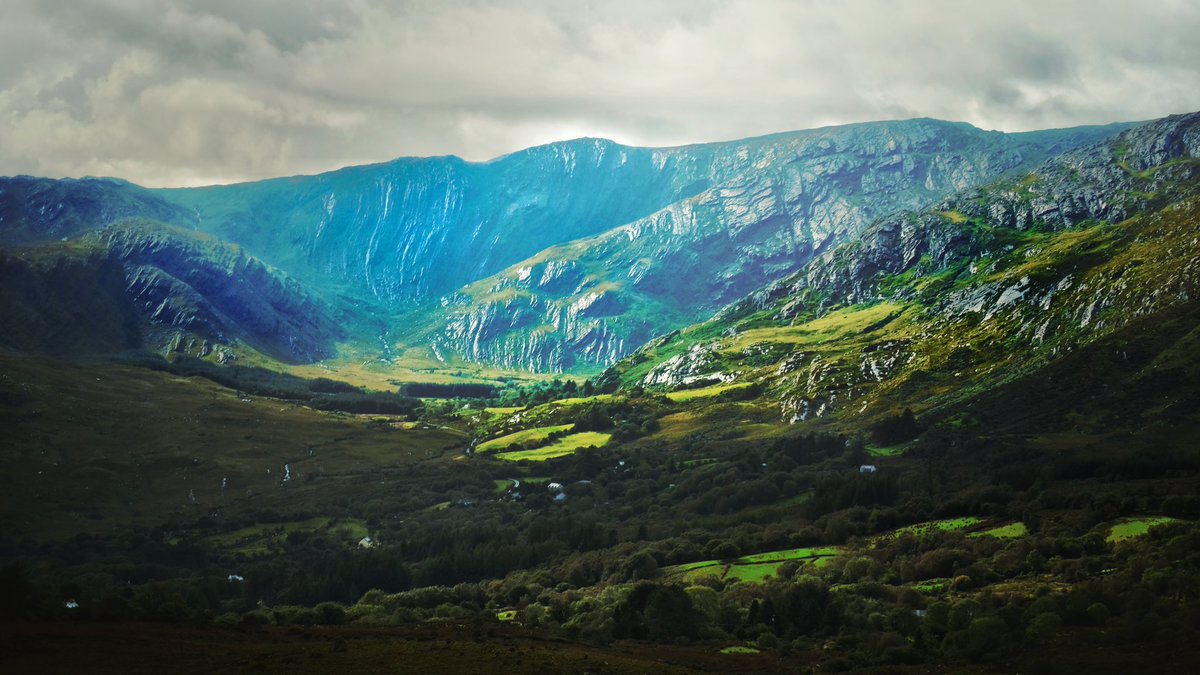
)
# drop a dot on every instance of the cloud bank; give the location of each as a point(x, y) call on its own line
point(189, 92)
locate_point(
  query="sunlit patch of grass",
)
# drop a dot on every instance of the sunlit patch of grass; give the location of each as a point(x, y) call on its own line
point(838, 325)
point(790, 554)
point(1009, 531)
point(947, 525)
point(755, 567)
point(503, 411)
point(753, 573)
point(739, 649)
point(890, 451)
point(578, 400)
point(1130, 528)
point(507, 615)
point(706, 392)
point(567, 445)
point(521, 437)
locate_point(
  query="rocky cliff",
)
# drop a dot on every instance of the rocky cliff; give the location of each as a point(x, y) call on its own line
point(771, 205)
point(1096, 253)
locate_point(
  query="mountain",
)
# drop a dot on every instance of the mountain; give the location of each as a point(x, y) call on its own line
point(561, 257)
point(39, 210)
point(139, 283)
point(772, 205)
point(956, 437)
point(1077, 281)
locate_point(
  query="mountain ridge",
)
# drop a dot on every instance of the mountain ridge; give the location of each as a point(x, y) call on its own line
point(402, 242)
point(994, 281)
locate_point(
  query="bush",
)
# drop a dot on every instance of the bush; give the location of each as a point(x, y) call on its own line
point(1098, 614)
point(982, 636)
point(1043, 627)
point(256, 618)
point(331, 614)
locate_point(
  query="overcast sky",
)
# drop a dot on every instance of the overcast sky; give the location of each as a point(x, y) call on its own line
point(188, 92)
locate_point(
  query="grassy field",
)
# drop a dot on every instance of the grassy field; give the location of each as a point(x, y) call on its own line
point(503, 411)
point(806, 553)
point(1129, 528)
point(521, 437)
point(890, 451)
point(1010, 531)
point(260, 539)
point(752, 573)
point(745, 419)
point(598, 398)
point(947, 525)
point(567, 445)
point(366, 366)
point(831, 328)
point(79, 456)
point(705, 392)
point(554, 411)
point(754, 567)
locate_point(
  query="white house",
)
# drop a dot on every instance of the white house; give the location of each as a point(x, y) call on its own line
point(867, 468)
point(555, 487)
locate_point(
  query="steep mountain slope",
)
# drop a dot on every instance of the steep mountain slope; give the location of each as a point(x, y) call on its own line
point(402, 233)
point(143, 283)
point(772, 204)
point(559, 257)
point(1096, 252)
point(34, 210)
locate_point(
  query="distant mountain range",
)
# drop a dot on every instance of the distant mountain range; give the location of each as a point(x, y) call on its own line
point(563, 257)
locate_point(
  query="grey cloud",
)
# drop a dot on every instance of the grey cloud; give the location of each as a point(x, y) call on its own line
point(169, 92)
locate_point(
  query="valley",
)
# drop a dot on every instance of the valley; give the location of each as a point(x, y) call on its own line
point(894, 397)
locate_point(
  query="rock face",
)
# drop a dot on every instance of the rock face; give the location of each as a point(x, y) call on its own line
point(697, 365)
point(564, 256)
point(142, 283)
point(403, 233)
point(201, 287)
point(978, 289)
point(1100, 183)
point(771, 205)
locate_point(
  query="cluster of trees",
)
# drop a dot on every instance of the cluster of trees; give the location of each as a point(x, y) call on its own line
point(541, 392)
point(456, 390)
point(592, 568)
point(898, 428)
point(626, 420)
point(862, 609)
